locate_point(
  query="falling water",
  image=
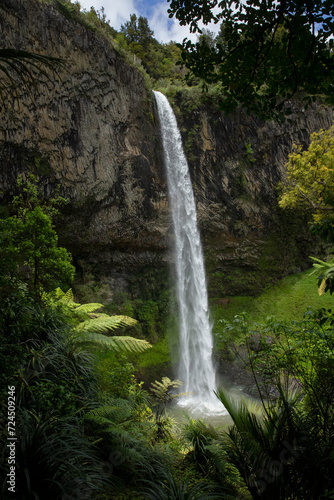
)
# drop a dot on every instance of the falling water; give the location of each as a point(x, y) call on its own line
point(196, 369)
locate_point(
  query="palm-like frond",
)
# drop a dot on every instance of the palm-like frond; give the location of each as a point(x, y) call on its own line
point(124, 438)
point(103, 323)
point(92, 326)
point(325, 270)
point(116, 412)
point(122, 343)
point(89, 308)
point(256, 444)
point(166, 488)
point(161, 389)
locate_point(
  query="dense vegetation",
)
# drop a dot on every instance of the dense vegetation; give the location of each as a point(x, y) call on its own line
point(266, 51)
point(86, 426)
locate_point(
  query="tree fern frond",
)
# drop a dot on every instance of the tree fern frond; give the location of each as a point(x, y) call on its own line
point(103, 323)
point(66, 297)
point(161, 388)
point(89, 308)
point(128, 344)
point(321, 262)
point(69, 295)
point(99, 420)
point(111, 414)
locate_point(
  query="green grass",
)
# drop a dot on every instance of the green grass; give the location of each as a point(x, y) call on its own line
point(159, 354)
point(287, 300)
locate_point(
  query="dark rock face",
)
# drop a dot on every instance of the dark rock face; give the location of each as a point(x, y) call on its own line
point(237, 163)
point(92, 129)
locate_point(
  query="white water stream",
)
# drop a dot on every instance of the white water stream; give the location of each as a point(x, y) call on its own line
point(196, 369)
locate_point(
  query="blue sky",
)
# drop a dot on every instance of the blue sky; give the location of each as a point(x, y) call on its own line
point(165, 29)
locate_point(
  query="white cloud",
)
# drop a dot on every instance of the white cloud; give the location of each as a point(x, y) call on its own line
point(165, 29)
point(116, 11)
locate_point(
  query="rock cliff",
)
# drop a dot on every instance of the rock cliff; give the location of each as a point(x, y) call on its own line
point(91, 129)
point(237, 164)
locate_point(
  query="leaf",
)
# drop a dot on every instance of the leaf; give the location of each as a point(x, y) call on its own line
point(128, 344)
point(160, 389)
point(104, 323)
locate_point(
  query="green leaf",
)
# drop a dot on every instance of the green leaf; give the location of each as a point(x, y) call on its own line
point(122, 343)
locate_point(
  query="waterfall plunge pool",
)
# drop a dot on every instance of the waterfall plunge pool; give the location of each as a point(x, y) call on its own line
point(218, 417)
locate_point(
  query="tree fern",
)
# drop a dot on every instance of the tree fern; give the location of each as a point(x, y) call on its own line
point(92, 326)
point(161, 389)
point(101, 323)
point(116, 412)
point(119, 344)
point(125, 438)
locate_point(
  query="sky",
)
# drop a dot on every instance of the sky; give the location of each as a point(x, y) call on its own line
point(165, 29)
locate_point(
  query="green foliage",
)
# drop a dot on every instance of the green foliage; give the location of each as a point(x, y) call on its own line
point(161, 390)
point(249, 151)
point(117, 376)
point(288, 300)
point(163, 396)
point(92, 325)
point(200, 435)
point(284, 449)
point(30, 252)
point(147, 312)
point(210, 458)
point(310, 180)
point(123, 439)
point(54, 377)
point(41, 470)
point(53, 382)
point(29, 244)
point(166, 488)
point(122, 343)
point(159, 355)
point(137, 31)
point(23, 323)
point(325, 271)
point(265, 53)
point(159, 60)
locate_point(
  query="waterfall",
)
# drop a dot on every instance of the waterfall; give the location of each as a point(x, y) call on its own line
point(196, 369)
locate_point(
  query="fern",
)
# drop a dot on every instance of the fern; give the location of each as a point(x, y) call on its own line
point(102, 323)
point(325, 271)
point(161, 389)
point(129, 344)
point(124, 438)
point(111, 414)
point(88, 308)
point(92, 325)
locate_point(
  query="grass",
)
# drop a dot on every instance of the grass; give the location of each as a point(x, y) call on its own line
point(287, 300)
point(159, 354)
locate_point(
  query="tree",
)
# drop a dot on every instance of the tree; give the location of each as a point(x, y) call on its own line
point(137, 31)
point(93, 326)
point(268, 53)
point(310, 178)
point(29, 250)
point(31, 254)
point(283, 448)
